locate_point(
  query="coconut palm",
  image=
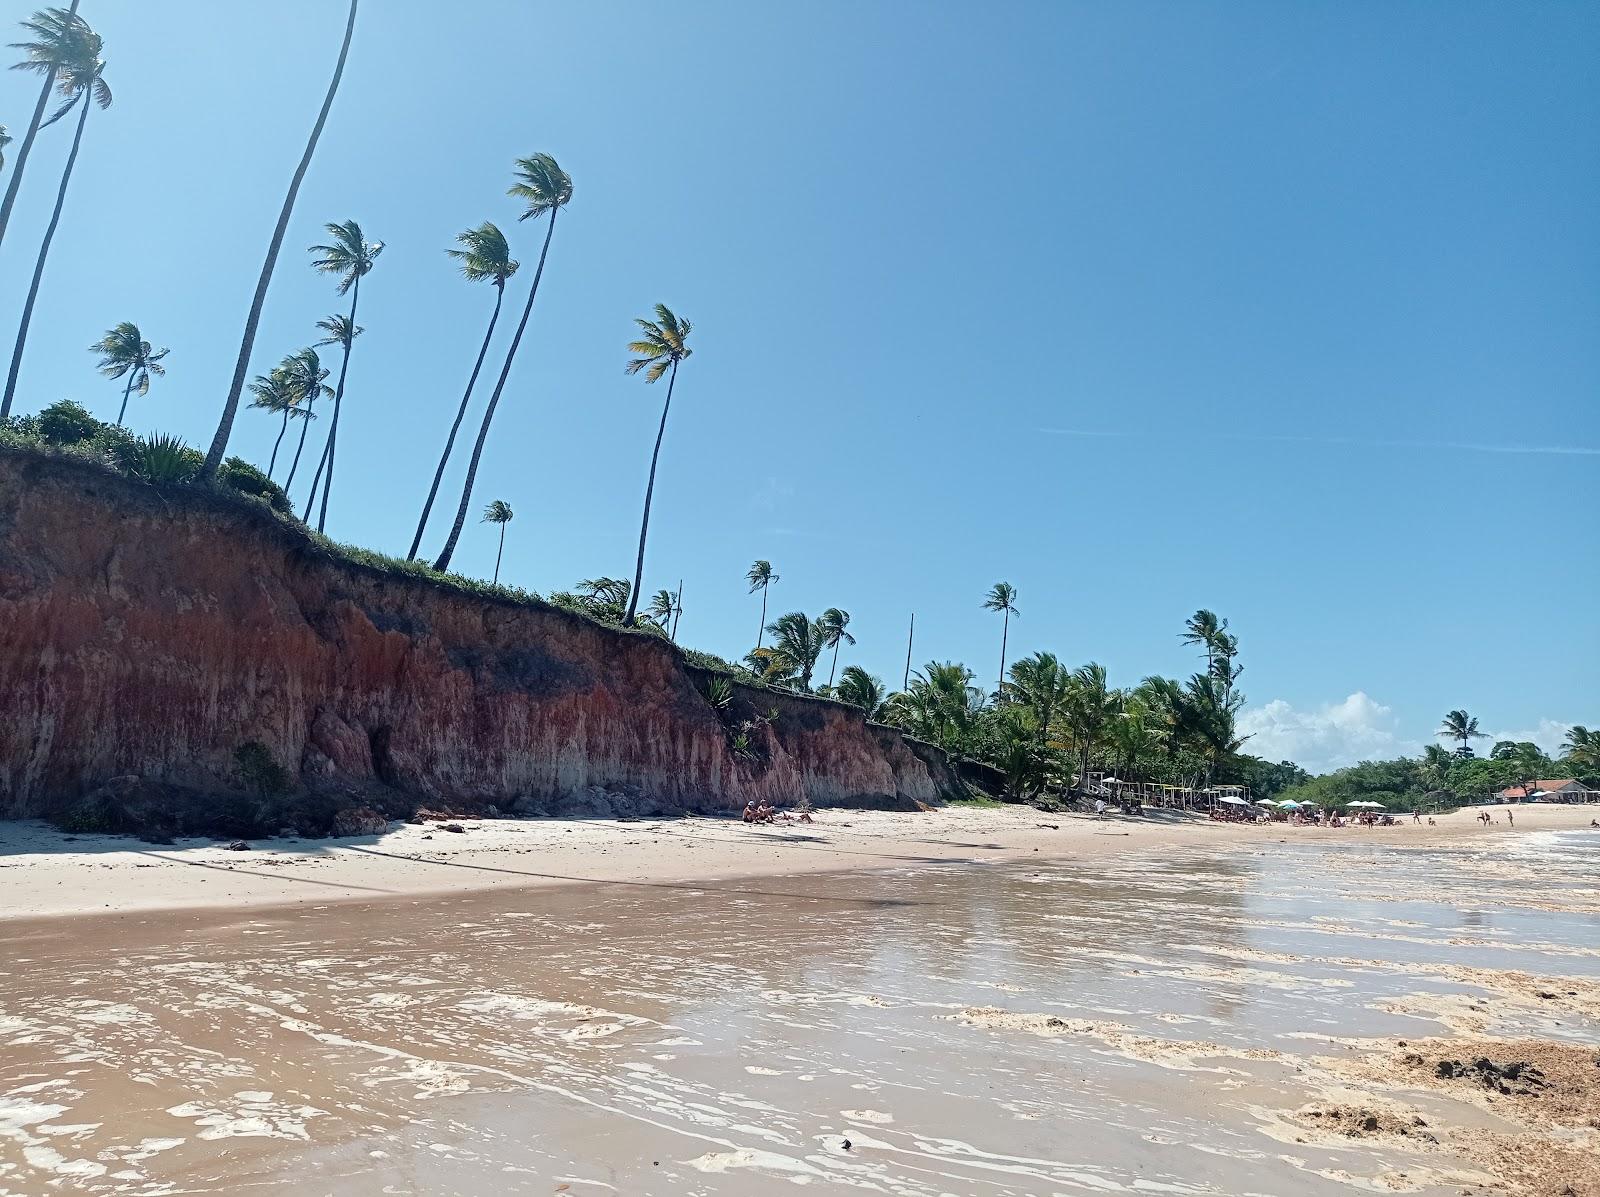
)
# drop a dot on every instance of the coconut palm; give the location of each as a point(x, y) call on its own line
point(124, 352)
point(860, 689)
point(544, 189)
point(1090, 708)
point(1581, 749)
point(349, 258)
point(662, 607)
point(660, 350)
point(58, 33)
point(339, 332)
point(1040, 684)
point(498, 512)
point(1458, 725)
point(941, 705)
point(796, 644)
point(1002, 597)
point(80, 77)
point(274, 394)
point(307, 380)
point(485, 256)
point(761, 577)
point(1211, 712)
point(1204, 629)
point(833, 623)
point(241, 368)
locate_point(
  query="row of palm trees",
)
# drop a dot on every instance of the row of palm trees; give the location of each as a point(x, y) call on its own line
point(67, 53)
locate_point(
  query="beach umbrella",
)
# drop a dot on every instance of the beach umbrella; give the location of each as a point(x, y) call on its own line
point(1290, 804)
point(1265, 802)
point(1232, 801)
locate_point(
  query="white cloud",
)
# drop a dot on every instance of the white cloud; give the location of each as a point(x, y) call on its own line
point(1329, 737)
point(1549, 735)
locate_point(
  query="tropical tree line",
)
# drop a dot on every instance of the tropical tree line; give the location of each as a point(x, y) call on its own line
point(1047, 724)
point(68, 55)
point(1443, 777)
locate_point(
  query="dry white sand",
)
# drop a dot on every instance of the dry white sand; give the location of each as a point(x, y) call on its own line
point(45, 872)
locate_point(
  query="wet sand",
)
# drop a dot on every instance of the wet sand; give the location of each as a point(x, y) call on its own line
point(45, 872)
point(1219, 1015)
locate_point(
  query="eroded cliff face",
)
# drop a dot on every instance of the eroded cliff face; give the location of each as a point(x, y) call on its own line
point(151, 631)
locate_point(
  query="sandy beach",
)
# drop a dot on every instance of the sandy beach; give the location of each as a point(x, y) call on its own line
point(984, 1001)
point(45, 872)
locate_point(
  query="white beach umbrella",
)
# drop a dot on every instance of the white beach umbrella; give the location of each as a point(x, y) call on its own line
point(1232, 801)
point(1265, 802)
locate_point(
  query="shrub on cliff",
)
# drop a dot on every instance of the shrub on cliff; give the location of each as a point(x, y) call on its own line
point(238, 474)
point(162, 458)
point(65, 423)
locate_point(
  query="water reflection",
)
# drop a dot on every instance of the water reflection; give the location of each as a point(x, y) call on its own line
point(718, 1039)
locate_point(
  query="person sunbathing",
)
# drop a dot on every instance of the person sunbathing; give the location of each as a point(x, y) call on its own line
point(750, 811)
point(764, 813)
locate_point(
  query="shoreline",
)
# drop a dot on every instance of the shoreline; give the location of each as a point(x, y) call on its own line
point(45, 873)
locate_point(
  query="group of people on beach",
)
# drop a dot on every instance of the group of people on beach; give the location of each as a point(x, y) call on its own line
point(760, 812)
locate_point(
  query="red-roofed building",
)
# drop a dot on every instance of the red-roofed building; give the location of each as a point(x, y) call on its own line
point(1565, 789)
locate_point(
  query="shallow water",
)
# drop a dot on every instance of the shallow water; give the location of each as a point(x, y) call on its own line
point(726, 1039)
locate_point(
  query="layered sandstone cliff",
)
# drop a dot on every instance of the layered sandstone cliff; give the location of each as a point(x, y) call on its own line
point(149, 632)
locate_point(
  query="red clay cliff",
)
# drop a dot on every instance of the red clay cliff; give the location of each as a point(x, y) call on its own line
point(147, 633)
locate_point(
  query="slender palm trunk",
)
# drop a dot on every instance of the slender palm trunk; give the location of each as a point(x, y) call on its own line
point(305, 424)
point(497, 554)
point(461, 414)
point(649, 492)
point(761, 629)
point(443, 561)
point(910, 636)
point(125, 390)
point(832, 668)
point(677, 613)
point(332, 444)
point(44, 253)
point(1005, 631)
point(20, 162)
point(230, 407)
point(273, 464)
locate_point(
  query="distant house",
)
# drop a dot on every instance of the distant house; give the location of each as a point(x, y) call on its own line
point(1565, 789)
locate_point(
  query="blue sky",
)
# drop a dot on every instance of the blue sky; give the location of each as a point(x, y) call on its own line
point(1286, 310)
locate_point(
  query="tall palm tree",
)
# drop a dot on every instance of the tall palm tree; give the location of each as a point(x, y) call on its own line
point(485, 256)
point(761, 577)
point(660, 350)
point(274, 394)
point(340, 332)
point(498, 512)
point(1203, 628)
point(544, 189)
point(56, 31)
point(349, 258)
point(860, 689)
point(1458, 725)
point(1211, 712)
point(307, 379)
point(833, 623)
point(1002, 597)
point(80, 77)
point(124, 351)
point(230, 406)
point(796, 645)
point(1091, 706)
